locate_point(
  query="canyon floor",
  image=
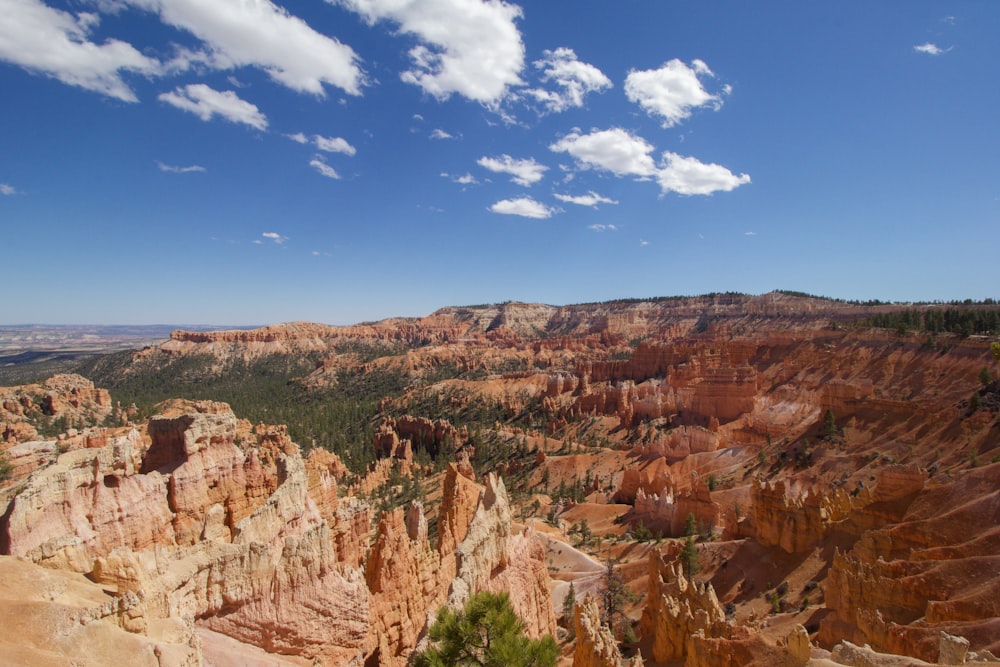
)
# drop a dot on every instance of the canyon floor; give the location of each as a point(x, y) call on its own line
point(719, 480)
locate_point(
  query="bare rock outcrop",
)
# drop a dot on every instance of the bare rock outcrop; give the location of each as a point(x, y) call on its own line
point(795, 522)
point(676, 609)
point(67, 399)
point(595, 645)
point(53, 617)
point(746, 648)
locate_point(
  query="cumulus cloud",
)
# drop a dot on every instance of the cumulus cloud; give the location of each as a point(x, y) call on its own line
point(298, 138)
point(206, 102)
point(930, 49)
point(334, 145)
point(55, 43)
point(574, 80)
point(624, 154)
point(275, 236)
point(173, 169)
point(469, 47)
point(440, 134)
point(614, 150)
point(258, 33)
point(523, 206)
point(323, 168)
point(591, 199)
point(689, 176)
point(523, 172)
point(671, 91)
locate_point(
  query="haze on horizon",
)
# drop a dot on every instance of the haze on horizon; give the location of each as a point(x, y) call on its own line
point(159, 162)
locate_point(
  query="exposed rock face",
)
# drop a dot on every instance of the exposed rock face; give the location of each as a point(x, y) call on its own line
point(669, 513)
point(53, 617)
point(402, 575)
point(206, 532)
point(798, 523)
point(676, 609)
point(904, 583)
point(70, 398)
point(745, 648)
point(595, 645)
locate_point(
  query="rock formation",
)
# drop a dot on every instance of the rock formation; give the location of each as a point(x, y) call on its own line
point(676, 609)
point(595, 645)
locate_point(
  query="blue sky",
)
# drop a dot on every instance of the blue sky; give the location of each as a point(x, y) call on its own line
point(248, 162)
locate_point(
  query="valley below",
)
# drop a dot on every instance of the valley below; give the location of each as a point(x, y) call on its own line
point(708, 481)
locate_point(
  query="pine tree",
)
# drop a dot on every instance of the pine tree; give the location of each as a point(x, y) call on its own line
point(689, 558)
point(569, 604)
point(485, 633)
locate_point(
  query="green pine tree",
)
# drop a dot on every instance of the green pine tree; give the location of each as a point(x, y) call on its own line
point(485, 633)
point(689, 558)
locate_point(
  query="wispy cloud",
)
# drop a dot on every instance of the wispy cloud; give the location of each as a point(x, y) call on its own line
point(275, 237)
point(8, 190)
point(464, 179)
point(172, 169)
point(591, 199)
point(574, 78)
point(323, 168)
point(469, 47)
point(671, 91)
point(298, 138)
point(206, 102)
point(644, 242)
point(55, 43)
point(931, 49)
point(523, 206)
point(523, 172)
point(749, 233)
point(440, 134)
point(602, 228)
point(334, 145)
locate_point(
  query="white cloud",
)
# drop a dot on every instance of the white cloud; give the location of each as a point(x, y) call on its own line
point(590, 199)
point(601, 228)
point(172, 169)
point(574, 78)
point(614, 150)
point(53, 42)
point(466, 179)
point(671, 91)
point(259, 33)
point(275, 236)
point(469, 47)
point(323, 168)
point(298, 138)
point(689, 176)
point(523, 206)
point(643, 242)
point(206, 102)
point(624, 154)
point(930, 49)
point(523, 172)
point(440, 134)
point(334, 145)
point(749, 233)
point(8, 190)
